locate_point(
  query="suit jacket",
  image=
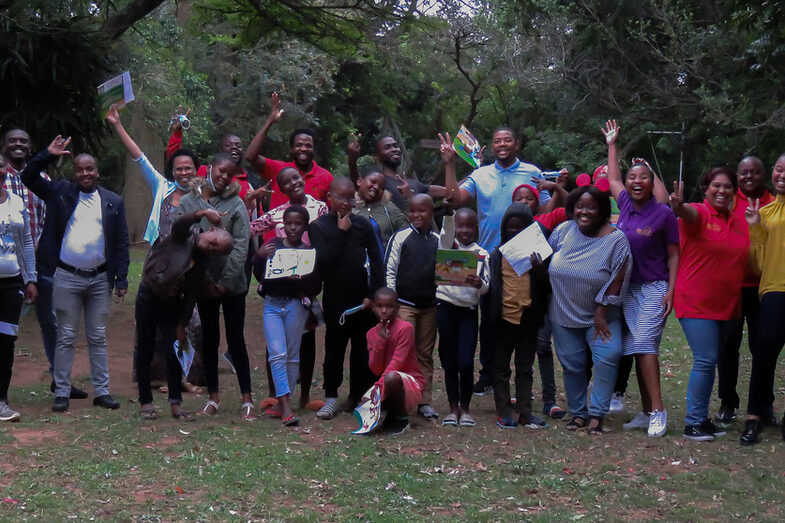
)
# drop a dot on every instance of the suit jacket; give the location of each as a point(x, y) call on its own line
point(61, 198)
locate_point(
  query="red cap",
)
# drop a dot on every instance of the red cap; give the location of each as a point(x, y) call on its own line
point(601, 170)
point(534, 191)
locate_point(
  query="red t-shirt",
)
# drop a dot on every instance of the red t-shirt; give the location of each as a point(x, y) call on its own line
point(551, 219)
point(713, 258)
point(317, 181)
point(740, 205)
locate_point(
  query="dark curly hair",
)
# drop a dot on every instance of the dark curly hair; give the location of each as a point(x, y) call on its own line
point(603, 200)
point(169, 170)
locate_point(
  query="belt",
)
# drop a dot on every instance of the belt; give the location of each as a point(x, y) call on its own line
point(86, 273)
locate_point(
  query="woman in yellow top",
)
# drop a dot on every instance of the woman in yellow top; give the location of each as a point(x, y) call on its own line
point(767, 250)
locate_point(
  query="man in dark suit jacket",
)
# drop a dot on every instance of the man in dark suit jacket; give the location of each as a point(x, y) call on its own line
point(84, 244)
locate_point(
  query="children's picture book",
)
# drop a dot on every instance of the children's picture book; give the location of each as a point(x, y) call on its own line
point(452, 266)
point(184, 356)
point(118, 90)
point(368, 413)
point(290, 262)
point(467, 147)
point(520, 247)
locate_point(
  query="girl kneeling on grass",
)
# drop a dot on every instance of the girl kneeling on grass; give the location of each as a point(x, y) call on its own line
point(285, 312)
point(391, 356)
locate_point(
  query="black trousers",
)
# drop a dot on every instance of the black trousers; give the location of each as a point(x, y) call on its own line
point(234, 324)
point(728, 362)
point(11, 301)
point(487, 342)
point(154, 313)
point(521, 339)
point(457, 346)
point(770, 340)
point(623, 376)
point(336, 337)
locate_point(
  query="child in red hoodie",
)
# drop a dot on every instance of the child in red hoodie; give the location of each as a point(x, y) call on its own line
point(391, 356)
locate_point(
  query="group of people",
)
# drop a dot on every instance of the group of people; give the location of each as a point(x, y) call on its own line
point(625, 253)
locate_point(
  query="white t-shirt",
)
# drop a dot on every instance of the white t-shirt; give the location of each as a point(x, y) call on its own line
point(83, 244)
point(10, 216)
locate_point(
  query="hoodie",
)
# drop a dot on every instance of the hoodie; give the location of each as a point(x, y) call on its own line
point(540, 288)
point(228, 270)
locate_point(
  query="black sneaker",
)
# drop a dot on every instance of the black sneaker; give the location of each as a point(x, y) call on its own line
point(76, 392)
point(710, 427)
point(533, 422)
point(397, 426)
point(725, 416)
point(698, 433)
point(60, 404)
point(482, 389)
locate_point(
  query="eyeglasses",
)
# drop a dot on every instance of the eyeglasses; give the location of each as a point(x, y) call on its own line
point(350, 201)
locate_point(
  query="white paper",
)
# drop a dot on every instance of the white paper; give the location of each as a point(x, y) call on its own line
point(290, 262)
point(185, 357)
point(520, 247)
point(118, 90)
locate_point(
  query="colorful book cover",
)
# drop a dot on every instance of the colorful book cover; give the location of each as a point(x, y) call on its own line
point(467, 147)
point(453, 266)
point(369, 412)
point(118, 90)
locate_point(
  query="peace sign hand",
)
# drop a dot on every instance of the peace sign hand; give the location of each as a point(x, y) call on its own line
point(446, 149)
point(677, 196)
point(611, 132)
point(752, 214)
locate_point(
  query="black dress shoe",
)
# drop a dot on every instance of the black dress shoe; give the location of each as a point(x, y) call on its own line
point(751, 433)
point(770, 420)
point(60, 404)
point(76, 392)
point(106, 401)
point(725, 416)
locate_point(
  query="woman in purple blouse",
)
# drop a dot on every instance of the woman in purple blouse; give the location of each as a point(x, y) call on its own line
point(653, 233)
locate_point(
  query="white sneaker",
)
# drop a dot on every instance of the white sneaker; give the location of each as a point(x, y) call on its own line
point(658, 423)
point(328, 409)
point(7, 413)
point(640, 421)
point(617, 403)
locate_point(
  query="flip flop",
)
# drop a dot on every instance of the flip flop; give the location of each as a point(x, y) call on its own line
point(148, 414)
point(210, 405)
point(184, 415)
point(247, 411)
point(291, 421)
point(271, 412)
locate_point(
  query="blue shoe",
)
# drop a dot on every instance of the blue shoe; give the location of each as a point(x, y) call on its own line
point(506, 422)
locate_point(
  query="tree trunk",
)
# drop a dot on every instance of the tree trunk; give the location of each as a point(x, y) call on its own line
point(137, 195)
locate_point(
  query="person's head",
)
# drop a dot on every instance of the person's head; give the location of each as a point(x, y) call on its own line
point(291, 183)
point(3, 168)
point(778, 175)
point(86, 172)
point(301, 145)
point(639, 182)
point(504, 144)
point(750, 176)
point(719, 186)
point(466, 226)
point(370, 187)
point(295, 221)
point(221, 170)
point(388, 152)
point(590, 208)
point(231, 143)
point(181, 168)
point(341, 196)
point(16, 146)
point(516, 218)
point(529, 195)
point(215, 241)
point(385, 304)
point(421, 212)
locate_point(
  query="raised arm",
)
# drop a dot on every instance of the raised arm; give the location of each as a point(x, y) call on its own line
point(611, 132)
point(686, 212)
point(660, 192)
point(113, 117)
point(176, 139)
point(253, 154)
point(456, 195)
point(352, 154)
point(31, 175)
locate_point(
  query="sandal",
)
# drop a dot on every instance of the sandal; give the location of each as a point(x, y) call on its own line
point(248, 412)
point(466, 420)
point(577, 423)
point(327, 411)
point(148, 414)
point(273, 413)
point(210, 405)
point(450, 420)
point(291, 421)
point(596, 429)
point(183, 415)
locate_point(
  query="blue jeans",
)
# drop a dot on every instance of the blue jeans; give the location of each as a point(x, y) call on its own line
point(705, 337)
point(45, 312)
point(284, 323)
point(70, 296)
point(575, 347)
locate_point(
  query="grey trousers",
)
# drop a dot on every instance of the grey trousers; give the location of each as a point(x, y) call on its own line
point(71, 295)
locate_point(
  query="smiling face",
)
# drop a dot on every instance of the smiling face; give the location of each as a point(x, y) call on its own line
point(294, 224)
point(587, 215)
point(719, 193)
point(504, 145)
point(388, 152)
point(215, 241)
point(778, 175)
point(466, 227)
point(86, 172)
point(233, 145)
point(302, 151)
point(385, 306)
point(639, 184)
point(341, 196)
point(291, 184)
point(371, 188)
point(750, 176)
point(16, 146)
point(222, 173)
point(183, 169)
point(525, 195)
point(421, 212)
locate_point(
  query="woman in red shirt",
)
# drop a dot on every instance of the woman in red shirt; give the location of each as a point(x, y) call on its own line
point(713, 244)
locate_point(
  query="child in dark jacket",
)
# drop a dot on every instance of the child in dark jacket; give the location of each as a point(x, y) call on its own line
point(411, 272)
point(517, 309)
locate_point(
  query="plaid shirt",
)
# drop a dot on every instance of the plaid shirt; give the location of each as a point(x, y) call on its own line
point(35, 206)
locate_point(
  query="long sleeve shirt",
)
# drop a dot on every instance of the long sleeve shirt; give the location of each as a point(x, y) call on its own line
point(459, 295)
point(767, 247)
point(394, 353)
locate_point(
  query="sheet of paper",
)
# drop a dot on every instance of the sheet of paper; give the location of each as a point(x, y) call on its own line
point(185, 357)
point(520, 247)
point(290, 262)
point(118, 90)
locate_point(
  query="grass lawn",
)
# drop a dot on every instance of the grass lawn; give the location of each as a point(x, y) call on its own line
point(95, 464)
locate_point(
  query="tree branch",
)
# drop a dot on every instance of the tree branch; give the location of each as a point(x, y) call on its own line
point(121, 21)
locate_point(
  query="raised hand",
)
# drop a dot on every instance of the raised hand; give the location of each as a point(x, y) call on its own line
point(564, 178)
point(405, 189)
point(59, 145)
point(176, 122)
point(353, 147)
point(677, 196)
point(113, 116)
point(446, 149)
point(546, 185)
point(752, 214)
point(611, 132)
point(275, 108)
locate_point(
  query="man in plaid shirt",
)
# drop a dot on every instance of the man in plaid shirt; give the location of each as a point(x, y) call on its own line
point(16, 148)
